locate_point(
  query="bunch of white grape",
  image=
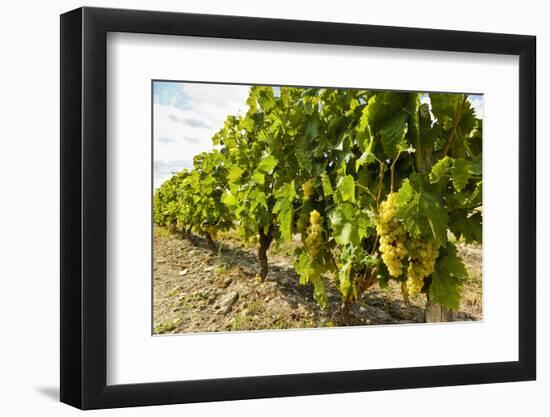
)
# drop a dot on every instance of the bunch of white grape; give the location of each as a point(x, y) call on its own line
point(423, 254)
point(314, 240)
point(308, 188)
point(396, 247)
point(392, 236)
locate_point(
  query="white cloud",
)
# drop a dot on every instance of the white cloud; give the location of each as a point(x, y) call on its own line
point(181, 132)
point(477, 103)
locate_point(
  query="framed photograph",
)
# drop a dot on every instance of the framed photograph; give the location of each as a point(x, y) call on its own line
point(256, 208)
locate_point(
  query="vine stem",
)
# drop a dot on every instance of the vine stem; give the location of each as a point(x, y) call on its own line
point(298, 208)
point(392, 171)
point(374, 245)
point(380, 184)
point(332, 259)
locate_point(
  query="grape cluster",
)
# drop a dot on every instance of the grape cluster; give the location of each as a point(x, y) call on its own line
point(423, 254)
point(308, 188)
point(314, 240)
point(392, 236)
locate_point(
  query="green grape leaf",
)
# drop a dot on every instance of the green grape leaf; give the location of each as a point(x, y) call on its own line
point(327, 186)
point(344, 279)
point(466, 226)
point(448, 278)
point(456, 116)
point(284, 215)
point(392, 134)
point(366, 157)
point(476, 167)
point(364, 134)
point(303, 152)
point(419, 211)
point(258, 121)
point(475, 142)
point(258, 178)
point(363, 125)
point(235, 173)
point(346, 188)
point(383, 106)
point(468, 120)
point(319, 291)
point(310, 271)
point(247, 124)
point(335, 125)
point(440, 169)
point(229, 199)
point(302, 266)
point(268, 164)
point(349, 225)
point(312, 128)
point(257, 198)
point(266, 101)
point(461, 172)
point(284, 208)
point(469, 198)
point(286, 191)
point(444, 107)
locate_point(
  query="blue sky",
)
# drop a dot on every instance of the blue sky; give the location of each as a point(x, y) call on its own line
point(186, 116)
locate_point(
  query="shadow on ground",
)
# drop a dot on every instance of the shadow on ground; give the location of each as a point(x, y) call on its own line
point(49, 392)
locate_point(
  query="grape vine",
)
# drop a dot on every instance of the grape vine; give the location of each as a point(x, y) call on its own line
point(372, 182)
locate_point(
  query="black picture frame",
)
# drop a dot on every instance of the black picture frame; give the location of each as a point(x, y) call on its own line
point(84, 207)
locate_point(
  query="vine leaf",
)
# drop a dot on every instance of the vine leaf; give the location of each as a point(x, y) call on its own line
point(364, 135)
point(257, 198)
point(258, 178)
point(266, 100)
point(268, 164)
point(419, 211)
point(284, 208)
point(461, 172)
point(440, 169)
point(327, 186)
point(346, 188)
point(448, 278)
point(393, 133)
point(367, 157)
point(467, 227)
point(344, 279)
point(229, 199)
point(310, 270)
point(444, 107)
point(349, 224)
point(235, 173)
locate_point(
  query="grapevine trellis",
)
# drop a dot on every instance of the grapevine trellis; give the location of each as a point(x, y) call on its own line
point(373, 182)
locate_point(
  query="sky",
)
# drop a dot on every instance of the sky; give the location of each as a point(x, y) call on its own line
point(477, 103)
point(187, 115)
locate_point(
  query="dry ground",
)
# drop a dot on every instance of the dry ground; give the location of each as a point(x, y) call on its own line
point(198, 290)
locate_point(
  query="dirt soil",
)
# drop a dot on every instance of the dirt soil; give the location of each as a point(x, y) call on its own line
point(200, 290)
